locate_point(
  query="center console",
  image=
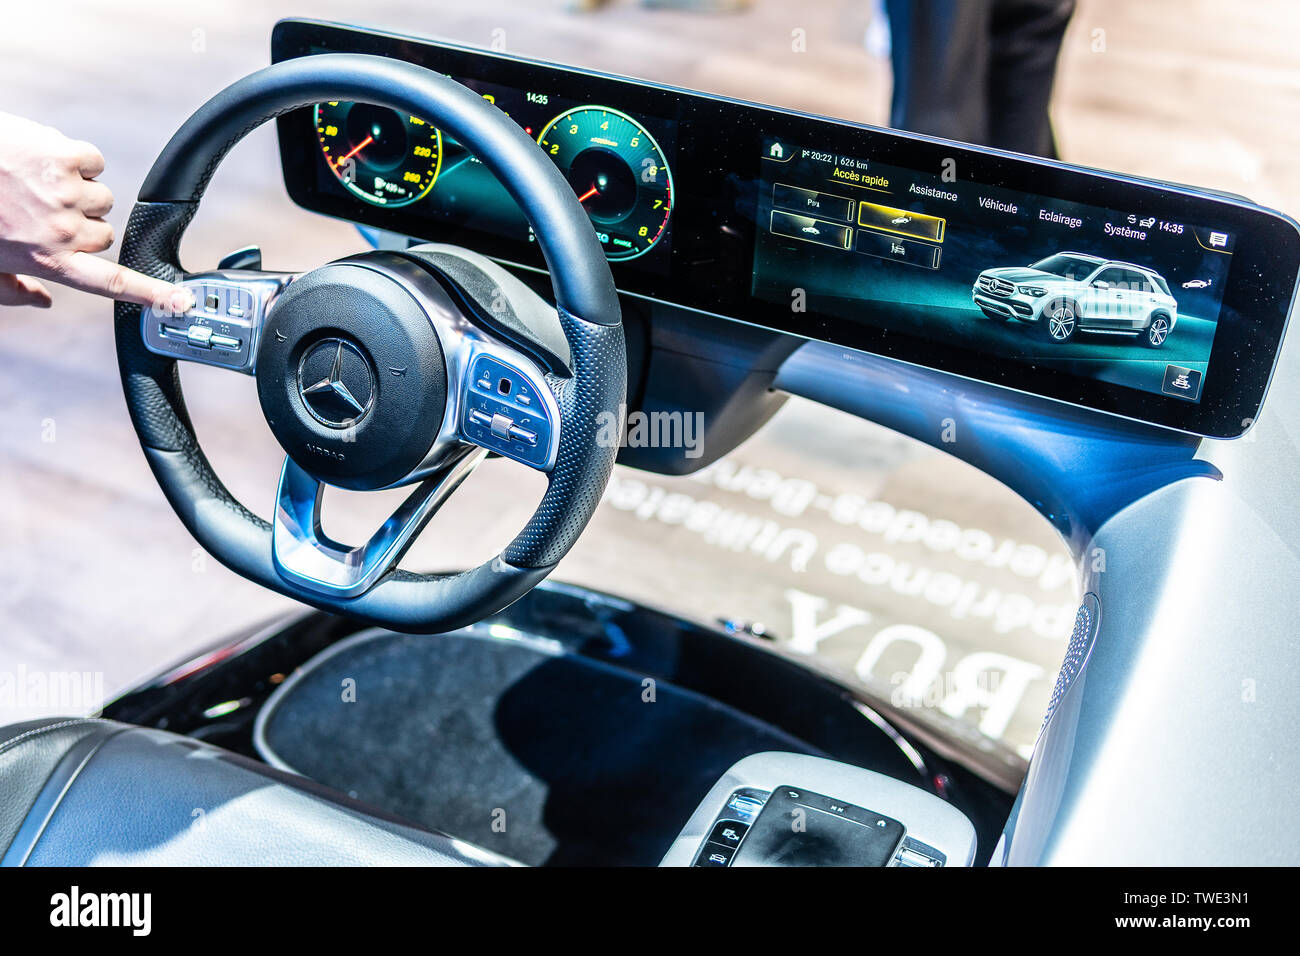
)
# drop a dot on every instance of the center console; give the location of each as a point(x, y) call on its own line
point(785, 809)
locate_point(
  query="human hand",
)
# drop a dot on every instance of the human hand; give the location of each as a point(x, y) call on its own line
point(52, 222)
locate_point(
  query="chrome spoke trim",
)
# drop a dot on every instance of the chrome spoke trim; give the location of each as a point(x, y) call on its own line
point(307, 558)
point(223, 328)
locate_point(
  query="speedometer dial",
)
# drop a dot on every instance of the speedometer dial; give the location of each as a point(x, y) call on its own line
point(385, 157)
point(619, 173)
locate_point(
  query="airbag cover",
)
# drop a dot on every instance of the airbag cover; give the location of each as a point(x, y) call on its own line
point(352, 377)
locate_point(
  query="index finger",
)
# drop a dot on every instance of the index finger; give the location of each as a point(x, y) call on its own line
point(92, 274)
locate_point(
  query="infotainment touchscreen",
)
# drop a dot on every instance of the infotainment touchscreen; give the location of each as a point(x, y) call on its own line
point(1110, 294)
point(1152, 301)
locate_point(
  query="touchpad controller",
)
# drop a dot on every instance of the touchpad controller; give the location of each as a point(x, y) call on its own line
point(801, 828)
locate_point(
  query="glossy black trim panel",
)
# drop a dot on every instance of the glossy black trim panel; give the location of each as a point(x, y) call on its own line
point(216, 695)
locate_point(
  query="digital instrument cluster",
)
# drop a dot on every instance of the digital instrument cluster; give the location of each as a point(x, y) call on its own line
point(377, 154)
point(1160, 303)
point(616, 164)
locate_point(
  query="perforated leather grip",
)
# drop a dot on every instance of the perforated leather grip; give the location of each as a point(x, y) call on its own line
point(582, 467)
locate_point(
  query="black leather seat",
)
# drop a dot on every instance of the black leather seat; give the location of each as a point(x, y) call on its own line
point(83, 792)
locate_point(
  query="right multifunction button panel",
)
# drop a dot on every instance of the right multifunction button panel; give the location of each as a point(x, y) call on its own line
point(506, 413)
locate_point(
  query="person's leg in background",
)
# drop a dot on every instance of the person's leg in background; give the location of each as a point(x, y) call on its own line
point(1026, 42)
point(979, 71)
point(940, 54)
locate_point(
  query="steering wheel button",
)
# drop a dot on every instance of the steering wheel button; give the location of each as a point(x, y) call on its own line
point(502, 425)
point(523, 435)
point(199, 336)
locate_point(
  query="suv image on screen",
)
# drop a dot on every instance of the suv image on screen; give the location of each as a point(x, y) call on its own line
point(1071, 291)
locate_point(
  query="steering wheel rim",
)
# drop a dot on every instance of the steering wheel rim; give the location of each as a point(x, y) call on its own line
point(586, 303)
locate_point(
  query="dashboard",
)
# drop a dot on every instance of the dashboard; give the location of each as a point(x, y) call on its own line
point(1152, 301)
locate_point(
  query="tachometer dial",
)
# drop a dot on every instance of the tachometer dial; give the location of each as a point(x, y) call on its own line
point(619, 173)
point(385, 157)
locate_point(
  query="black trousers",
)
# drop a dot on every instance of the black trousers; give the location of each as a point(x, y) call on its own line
point(979, 71)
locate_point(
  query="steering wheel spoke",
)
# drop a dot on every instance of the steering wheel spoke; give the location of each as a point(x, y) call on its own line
point(305, 556)
point(223, 328)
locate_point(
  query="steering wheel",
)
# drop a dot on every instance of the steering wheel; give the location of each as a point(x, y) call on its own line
point(382, 369)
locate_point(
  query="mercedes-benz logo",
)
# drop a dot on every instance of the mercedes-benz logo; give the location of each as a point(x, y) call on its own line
point(335, 383)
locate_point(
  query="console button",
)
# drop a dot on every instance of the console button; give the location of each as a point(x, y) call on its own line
point(910, 857)
point(728, 833)
point(715, 854)
point(746, 805)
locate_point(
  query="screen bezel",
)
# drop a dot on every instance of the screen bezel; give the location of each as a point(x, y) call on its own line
point(713, 228)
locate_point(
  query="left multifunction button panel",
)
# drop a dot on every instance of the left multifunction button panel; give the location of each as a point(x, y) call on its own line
point(223, 327)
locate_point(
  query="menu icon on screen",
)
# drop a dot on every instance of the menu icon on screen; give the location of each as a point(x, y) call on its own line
point(1182, 382)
